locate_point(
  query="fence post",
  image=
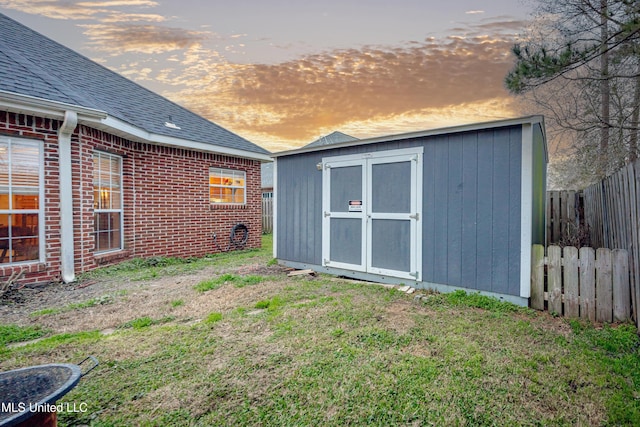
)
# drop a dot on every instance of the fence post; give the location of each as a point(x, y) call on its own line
point(554, 277)
point(537, 277)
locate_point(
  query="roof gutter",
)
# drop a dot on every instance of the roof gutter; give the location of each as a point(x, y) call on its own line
point(66, 196)
point(25, 104)
point(133, 133)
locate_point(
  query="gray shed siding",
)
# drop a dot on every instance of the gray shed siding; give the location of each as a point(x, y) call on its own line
point(471, 229)
point(471, 207)
point(299, 186)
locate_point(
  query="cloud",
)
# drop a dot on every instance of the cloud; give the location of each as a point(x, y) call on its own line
point(294, 99)
point(54, 9)
point(119, 17)
point(411, 121)
point(363, 91)
point(112, 3)
point(474, 12)
point(502, 25)
point(111, 29)
point(72, 10)
point(148, 39)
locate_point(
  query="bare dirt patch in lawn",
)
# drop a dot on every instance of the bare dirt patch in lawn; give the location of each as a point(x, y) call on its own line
point(119, 301)
point(399, 316)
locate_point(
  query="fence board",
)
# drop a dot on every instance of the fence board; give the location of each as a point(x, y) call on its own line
point(563, 215)
point(613, 215)
point(634, 179)
point(626, 208)
point(587, 284)
point(593, 196)
point(569, 210)
point(621, 289)
point(550, 219)
point(537, 277)
point(605, 215)
point(554, 277)
point(622, 240)
point(556, 223)
point(571, 281)
point(598, 202)
point(604, 293)
point(267, 215)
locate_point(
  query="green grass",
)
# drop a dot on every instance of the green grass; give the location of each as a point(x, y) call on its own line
point(332, 353)
point(13, 333)
point(150, 268)
point(213, 317)
point(102, 300)
point(271, 304)
point(208, 285)
point(145, 322)
point(237, 281)
point(306, 365)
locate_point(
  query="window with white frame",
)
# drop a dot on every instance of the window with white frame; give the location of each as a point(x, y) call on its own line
point(107, 201)
point(21, 195)
point(227, 186)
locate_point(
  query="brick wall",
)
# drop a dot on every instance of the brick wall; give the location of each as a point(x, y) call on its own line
point(166, 199)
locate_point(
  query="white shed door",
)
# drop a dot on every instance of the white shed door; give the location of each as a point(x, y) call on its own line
point(372, 212)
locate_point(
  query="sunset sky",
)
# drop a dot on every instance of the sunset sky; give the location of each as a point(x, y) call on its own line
point(283, 73)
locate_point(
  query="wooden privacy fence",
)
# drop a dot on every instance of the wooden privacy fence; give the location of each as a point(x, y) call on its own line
point(267, 215)
point(564, 215)
point(612, 213)
point(586, 283)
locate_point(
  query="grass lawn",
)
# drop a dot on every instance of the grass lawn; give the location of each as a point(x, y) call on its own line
point(324, 351)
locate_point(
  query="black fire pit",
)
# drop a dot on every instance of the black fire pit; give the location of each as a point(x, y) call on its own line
point(29, 393)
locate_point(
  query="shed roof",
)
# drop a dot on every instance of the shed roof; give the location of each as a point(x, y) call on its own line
point(419, 134)
point(333, 138)
point(35, 70)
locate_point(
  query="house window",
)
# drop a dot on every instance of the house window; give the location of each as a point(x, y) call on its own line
point(107, 201)
point(227, 186)
point(21, 189)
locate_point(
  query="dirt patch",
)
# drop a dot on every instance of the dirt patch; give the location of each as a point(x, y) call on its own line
point(115, 302)
point(398, 316)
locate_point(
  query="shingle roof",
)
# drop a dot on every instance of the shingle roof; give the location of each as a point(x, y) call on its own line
point(34, 65)
point(333, 138)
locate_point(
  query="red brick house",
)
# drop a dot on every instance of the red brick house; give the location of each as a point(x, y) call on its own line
point(95, 169)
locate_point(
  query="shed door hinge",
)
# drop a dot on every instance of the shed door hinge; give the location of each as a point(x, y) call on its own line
point(326, 214)
point(415, 216)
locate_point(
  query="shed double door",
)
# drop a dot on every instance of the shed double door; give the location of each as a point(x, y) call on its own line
point(372, 213)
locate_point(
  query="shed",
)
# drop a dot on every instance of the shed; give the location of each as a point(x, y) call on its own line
point(444, 209)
